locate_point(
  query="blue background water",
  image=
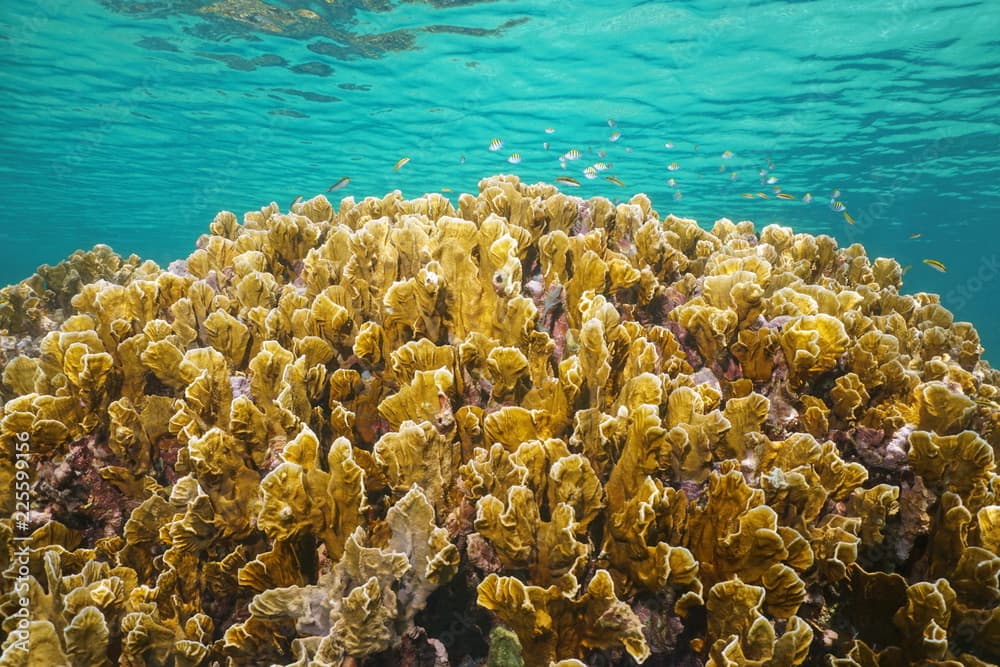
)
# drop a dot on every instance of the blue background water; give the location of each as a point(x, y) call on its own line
point(133, 123)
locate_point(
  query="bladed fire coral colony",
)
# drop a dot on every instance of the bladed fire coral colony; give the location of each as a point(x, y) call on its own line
point(530, 430)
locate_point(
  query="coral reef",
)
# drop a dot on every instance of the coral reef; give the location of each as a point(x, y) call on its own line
point(529, 429)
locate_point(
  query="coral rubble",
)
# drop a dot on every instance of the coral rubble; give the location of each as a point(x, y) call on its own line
point(531, 429)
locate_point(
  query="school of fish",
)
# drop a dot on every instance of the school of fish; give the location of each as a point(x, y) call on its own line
point(590, 172)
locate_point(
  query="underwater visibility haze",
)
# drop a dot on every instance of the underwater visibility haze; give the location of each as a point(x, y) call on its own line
point(504, 333)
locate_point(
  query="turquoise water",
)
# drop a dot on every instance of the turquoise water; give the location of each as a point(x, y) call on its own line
point(133, 123)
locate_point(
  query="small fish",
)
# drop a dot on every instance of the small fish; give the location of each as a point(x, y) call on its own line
point(916, 236)
point(834, 194)
point(628, 149)
point(807, 197)
point(747, 195)
point(496, 144)
point(677, 195)
point(672, 182)
point(611, 122)
point(614, 179)
point(763, 195)
point(762, 173)
point(550, 130)
point(784, 195)
point(668, 145)
point(514, 158)
point(727, 155)
point(772, 180)
point(602, 153)
point(615, 136)
point(296, 201)
point(837, 206)
point(722, 168)
point(733, 175)
point(906, 269)
point(342, 183)
point(401, 163)
point(568, 180)
point(446, 190)
point(601, 166)
point(545, 145)
point(986, 403)
point(673, 166)
point(461, 160)
point(848, 218)
point(571, 154)
point(934, 264)
point(590, 172)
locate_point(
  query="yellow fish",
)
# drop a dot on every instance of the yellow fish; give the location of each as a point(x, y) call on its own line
point(446, 190)
point(986, 403)
point(727, 155)
point(294, 202)
point(401, 163)
point(906, 269)
point(568, 180)
point(747, 195)
point(784, 195)
point(673, 166)
point(496, 144)
point(934, 264)
point(614, 179)
point(615, 136)
point(847, 216)
point(763, 195)
point(342, 183)
point(916, 236)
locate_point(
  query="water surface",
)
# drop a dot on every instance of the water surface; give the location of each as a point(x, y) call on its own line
point(133, 123)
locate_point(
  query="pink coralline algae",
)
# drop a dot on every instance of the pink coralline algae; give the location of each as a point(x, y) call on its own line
point(520, 429)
